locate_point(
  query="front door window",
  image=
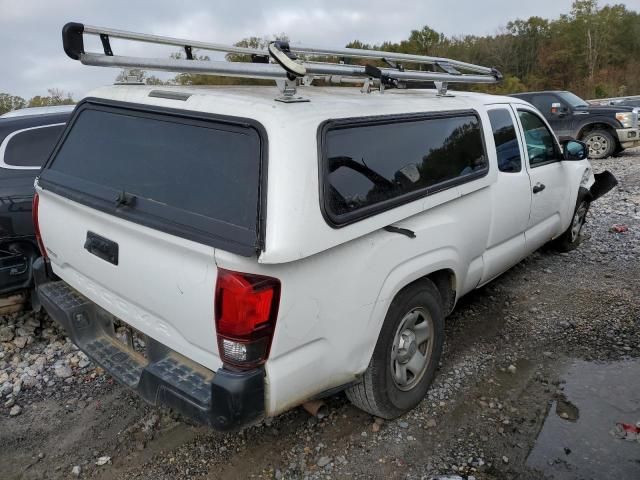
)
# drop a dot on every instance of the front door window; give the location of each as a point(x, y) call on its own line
point(541, 144)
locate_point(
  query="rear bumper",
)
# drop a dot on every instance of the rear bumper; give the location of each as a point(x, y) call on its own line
point(224, 399)
point(628, 137)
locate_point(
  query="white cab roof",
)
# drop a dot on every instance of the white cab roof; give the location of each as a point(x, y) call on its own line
point(325, 102)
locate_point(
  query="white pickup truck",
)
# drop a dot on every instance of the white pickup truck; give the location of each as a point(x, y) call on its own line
point(232, 255)
point(272, 253)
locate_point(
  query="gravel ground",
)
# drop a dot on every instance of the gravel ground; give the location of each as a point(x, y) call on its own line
point(507, 359)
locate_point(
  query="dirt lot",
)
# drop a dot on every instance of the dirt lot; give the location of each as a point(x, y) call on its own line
point(538, 368)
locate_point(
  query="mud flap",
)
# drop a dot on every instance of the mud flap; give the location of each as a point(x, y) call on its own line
point(604, 182)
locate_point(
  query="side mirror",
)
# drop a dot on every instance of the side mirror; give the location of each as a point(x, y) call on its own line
point(558, 109)
point(574, 150)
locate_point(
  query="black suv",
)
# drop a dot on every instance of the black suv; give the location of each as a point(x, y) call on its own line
point(607, 130)
point(25, 143)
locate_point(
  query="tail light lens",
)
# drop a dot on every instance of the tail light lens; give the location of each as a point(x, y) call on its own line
point(246, 308)
point(36, 224)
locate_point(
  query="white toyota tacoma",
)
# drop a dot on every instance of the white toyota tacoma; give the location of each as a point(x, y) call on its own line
point(231, 255)
point(263, 254)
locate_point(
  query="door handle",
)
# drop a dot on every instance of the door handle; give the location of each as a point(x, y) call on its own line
point(538, 187)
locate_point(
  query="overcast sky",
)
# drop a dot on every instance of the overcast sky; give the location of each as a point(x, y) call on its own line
point(32, 58)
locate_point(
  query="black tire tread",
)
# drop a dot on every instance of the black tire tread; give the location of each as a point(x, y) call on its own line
point(363, 395)
point(563, 243)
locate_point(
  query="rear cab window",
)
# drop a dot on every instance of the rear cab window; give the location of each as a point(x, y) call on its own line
point(372, 165)
point(188, 174)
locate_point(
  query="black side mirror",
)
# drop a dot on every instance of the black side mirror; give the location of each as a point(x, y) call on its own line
point(574, 150)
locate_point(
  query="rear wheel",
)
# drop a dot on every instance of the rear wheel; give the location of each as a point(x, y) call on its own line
point(601, 144)
point(406, 355)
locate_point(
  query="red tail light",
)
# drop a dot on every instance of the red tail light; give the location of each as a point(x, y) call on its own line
point(246, 307)
point(36, 224)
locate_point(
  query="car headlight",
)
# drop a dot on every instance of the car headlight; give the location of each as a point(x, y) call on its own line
point(625, 118)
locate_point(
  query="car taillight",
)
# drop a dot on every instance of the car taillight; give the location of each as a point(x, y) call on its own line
point(36, 224)
point(246, 308)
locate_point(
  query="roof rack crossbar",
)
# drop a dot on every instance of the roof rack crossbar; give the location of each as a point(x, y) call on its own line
point(213, 67)
point(269, 71)
point(285, 64)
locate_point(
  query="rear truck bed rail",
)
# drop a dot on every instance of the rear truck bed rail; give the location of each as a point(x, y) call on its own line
point(224, 400)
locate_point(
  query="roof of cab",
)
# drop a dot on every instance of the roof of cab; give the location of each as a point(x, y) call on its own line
point(259, 103)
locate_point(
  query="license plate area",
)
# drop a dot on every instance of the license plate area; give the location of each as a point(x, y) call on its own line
point(130, 338)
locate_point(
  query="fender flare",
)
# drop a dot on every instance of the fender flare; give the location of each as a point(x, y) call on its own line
point(401, 276)
point(596, 120)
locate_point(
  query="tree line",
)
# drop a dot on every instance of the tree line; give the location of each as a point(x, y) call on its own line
point(593, 51)
point(10, 102)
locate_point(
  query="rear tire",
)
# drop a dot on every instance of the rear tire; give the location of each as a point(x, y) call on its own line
point(601, 144)
point(406, 355)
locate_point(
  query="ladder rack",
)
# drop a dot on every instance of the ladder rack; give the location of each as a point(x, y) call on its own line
point(279, 62)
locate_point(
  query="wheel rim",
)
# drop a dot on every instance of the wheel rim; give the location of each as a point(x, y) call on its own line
point(578, 221)
point(411, 349)
point(598, 145)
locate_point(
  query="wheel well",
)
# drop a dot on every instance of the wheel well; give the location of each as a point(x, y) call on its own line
point(445, 282)
point(597, 126)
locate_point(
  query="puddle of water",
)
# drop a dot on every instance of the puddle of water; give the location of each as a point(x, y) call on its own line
point(575, 440)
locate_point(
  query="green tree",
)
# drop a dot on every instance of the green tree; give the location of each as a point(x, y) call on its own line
point(425, 42)
point(590, 50)
point(10, 102)
point(206, 79)
point(55, 97)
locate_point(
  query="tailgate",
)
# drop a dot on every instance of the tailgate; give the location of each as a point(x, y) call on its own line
point(162, 285)
point(132, 205)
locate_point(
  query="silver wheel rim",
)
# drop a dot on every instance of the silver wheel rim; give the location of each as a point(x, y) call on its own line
point(411, 349)
point(578, 221)
point(598, 145)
